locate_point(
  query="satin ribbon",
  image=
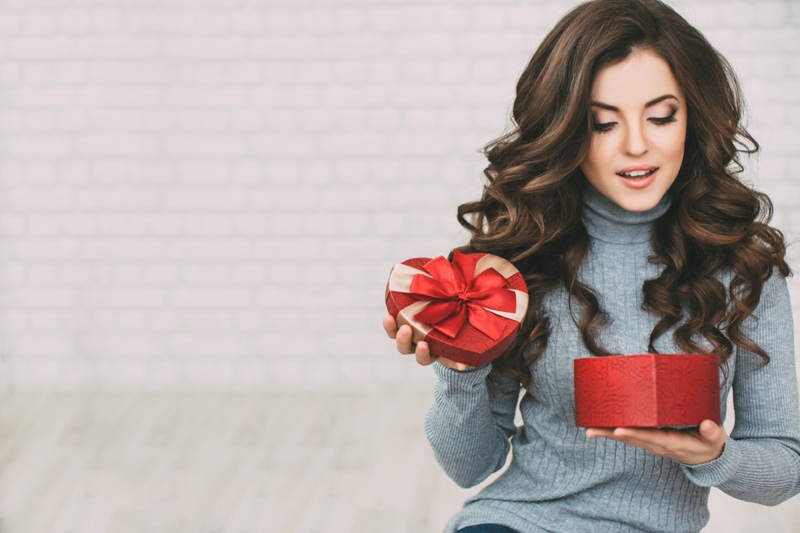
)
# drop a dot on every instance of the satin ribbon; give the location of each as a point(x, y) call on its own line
point(470, 289)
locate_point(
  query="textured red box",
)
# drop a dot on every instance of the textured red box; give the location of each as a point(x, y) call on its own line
point(481, 300)
point(647, 390)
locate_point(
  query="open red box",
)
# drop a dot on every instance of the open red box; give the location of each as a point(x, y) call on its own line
point(647, 390)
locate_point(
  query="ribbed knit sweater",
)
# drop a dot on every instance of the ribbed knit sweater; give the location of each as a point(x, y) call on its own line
point(560, 481)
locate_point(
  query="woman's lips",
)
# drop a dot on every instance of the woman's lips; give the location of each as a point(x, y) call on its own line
point(639, 182)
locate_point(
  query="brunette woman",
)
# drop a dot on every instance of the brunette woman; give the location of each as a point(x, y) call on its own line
point(618, 197)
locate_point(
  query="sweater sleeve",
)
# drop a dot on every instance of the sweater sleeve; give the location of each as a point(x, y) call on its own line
point(471, 422)
point(761, 459)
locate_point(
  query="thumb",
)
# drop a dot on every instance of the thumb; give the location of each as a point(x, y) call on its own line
point(710, 430)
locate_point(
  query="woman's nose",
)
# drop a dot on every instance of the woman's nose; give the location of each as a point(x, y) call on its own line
point(635, 142)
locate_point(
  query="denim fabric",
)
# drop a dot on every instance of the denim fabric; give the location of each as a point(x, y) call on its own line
point(486, 528)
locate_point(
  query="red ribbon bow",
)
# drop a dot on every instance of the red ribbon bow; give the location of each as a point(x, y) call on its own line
point(458, 296)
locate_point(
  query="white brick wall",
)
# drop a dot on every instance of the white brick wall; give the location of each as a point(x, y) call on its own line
point(209, 194)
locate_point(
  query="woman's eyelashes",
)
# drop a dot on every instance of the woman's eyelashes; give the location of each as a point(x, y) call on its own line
point(660, 121)
point(604, 127)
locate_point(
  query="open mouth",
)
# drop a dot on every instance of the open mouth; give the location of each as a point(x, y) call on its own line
point(637, 174)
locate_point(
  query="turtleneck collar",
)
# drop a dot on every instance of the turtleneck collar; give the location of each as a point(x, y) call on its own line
point(606, 221)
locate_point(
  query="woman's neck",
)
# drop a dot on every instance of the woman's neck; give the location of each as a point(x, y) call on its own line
point(606, 221)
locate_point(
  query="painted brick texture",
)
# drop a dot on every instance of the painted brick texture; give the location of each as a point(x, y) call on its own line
point(209, 194)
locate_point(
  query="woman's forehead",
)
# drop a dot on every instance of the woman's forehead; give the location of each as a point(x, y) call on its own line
point(637, 80)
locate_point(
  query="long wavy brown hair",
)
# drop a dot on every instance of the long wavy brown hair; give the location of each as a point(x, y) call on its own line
point(531, 207)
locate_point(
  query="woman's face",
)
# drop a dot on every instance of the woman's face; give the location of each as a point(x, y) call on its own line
point(639, 117)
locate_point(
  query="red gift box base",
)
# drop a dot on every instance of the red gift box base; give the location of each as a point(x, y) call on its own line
point(647, 390)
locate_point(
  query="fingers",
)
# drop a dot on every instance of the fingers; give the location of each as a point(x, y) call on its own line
point(402, 337)
point(710, 430)
point(403, 340)
point(423, 354)
point(641, 437)
point(689, 447)
point(656, 441)
point(390, 326)
point(425, 358)
point(599, 432)
point(461, 367)
point(653, 440)
point(421, 351)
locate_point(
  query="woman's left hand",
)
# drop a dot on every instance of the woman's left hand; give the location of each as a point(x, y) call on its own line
point(690, 447)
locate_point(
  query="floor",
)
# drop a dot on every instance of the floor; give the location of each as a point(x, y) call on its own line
point(241, 463)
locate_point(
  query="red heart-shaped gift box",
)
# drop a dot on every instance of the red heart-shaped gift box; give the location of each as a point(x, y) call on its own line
point(468, 311)
point(646, 390)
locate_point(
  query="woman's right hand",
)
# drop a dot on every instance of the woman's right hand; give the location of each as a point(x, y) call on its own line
point(402, 338)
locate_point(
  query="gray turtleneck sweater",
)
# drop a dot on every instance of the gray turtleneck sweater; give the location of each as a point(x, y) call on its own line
point(560, 481)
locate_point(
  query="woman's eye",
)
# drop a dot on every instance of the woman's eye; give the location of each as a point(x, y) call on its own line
point(603, 127)
point(660, 121)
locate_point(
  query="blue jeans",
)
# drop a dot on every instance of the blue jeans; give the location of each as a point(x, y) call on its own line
point(486, 528)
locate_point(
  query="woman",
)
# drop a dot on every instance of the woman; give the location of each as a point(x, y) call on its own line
point(617, 197)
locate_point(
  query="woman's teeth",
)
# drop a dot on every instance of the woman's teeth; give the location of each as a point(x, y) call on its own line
point(637, 173)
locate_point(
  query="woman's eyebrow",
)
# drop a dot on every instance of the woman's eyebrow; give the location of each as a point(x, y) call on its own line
point(651, 103)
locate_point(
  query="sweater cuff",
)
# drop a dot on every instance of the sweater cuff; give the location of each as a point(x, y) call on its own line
point(462, 379)
point(717, 471)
